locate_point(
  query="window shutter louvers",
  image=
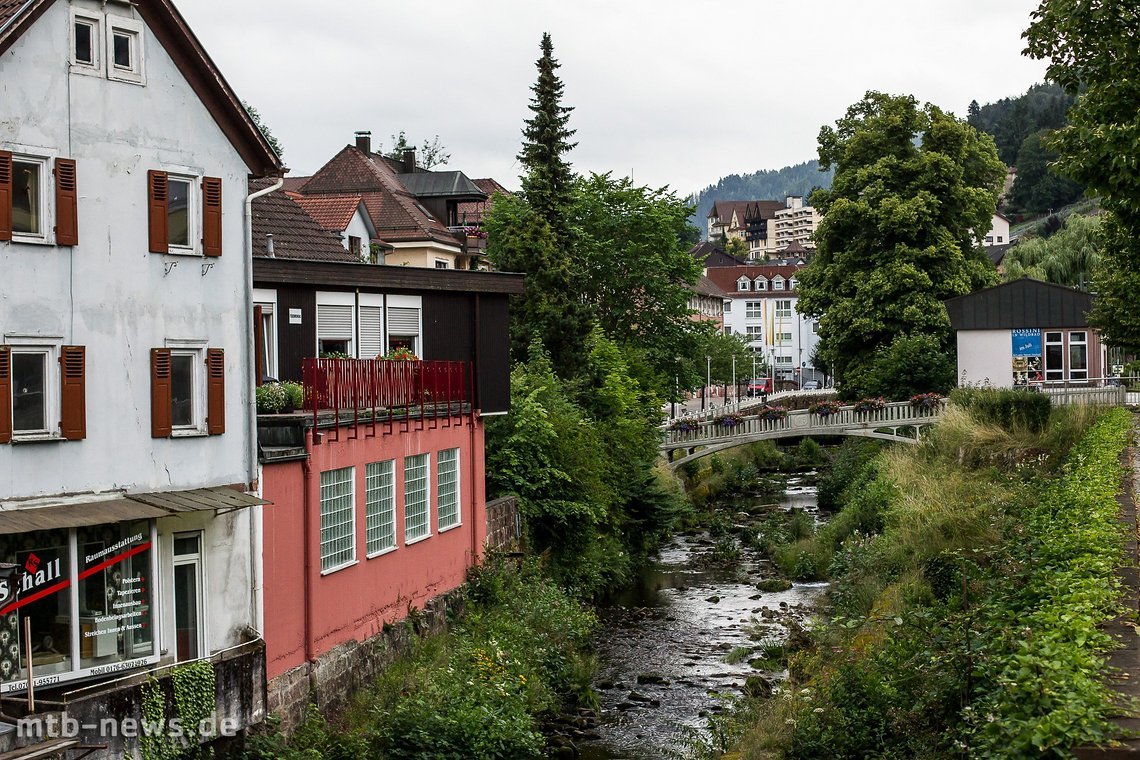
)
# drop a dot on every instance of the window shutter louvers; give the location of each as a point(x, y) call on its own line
point(161, 424)
point(66, 203)
point(5, 195)
point(211, 216)
point(215, 391)
point(403, 320)
point(371, 332)
point(157, 205)
point(73, 393)
point(5, 394)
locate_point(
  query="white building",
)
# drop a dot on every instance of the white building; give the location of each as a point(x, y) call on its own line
point(126, 445)
point(762, 307)
point(795, 223)
point(999, 231)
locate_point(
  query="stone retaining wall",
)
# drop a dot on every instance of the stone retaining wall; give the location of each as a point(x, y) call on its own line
point(504, 529)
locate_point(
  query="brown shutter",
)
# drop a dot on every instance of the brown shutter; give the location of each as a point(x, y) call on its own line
point(258, 346)
point(5, 195)
point(161, 424)
point(215, 391)
point(73, 393)
point(211, 216)
point(157, 207)
point(66, 203)
point(5, 394)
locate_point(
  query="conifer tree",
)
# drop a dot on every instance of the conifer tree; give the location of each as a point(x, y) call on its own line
point(546, 139)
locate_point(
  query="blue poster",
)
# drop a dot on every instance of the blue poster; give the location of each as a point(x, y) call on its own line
point(1027, 342)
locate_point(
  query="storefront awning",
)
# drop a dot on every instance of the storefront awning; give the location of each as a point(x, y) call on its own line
point(23, 518)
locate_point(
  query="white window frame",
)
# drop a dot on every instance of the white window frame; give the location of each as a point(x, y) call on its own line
point(1077, 374)
point(410, 539)
point(193, 204)
point(49, 348)
point(196, 350)
point(330, 298)
point(45, 160)
point(777, 283)
point(754, 333)
point(351, 522)
point(95, 21)
point(781, 312)
point(197, 560)
point(442, 264)
point(267, 300)
point(727, 305)
point(1053, 374)
point(380, 508)
point(370, 301)
point(404, 302)
point(439, 489)
point(133, 29)
point(761, 283)
point(744, 284)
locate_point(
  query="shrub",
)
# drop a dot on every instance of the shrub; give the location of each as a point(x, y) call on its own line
point(1007, 408)
point(271, 398)
point(847, 463)
point(808, 453)
point(295, 393)
point(910, 364)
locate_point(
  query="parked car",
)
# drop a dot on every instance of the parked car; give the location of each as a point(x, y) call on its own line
point(810, 385)
point(760, 386)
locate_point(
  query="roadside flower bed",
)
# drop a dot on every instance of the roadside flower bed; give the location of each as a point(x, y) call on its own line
point(824, 408)
point(729, 420)
point(927, 402)
point(772, 413)
point(868, 405)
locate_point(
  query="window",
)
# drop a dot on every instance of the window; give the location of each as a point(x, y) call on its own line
point(336, 325)
point(380, 507)
point(31, 392)
point(727, 306)
point(183, 211)
point(743, 284)
point(761, 283)
point(338, 518)
point(793, 284)
point(403, 323)
point(753, 309)
point(179, 219)
point(29, 196)
point(1078, 356)
point(815, 327)
point(354, 246)
point(784, 309)
point(989, 238)
point(1054, 356)
point(124, 50)
point(783, 361)
point(442, 264)
point(755, 332)
point(43, 390)
point(447, 489)
point(85, 43)
point(417, 521)
point(999, 238)
point(268, 347)
point(778, 283)
point(784, 337)
point(188, 596)
point(187, 390)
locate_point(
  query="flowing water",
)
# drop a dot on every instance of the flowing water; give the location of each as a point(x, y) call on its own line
point(663, 644)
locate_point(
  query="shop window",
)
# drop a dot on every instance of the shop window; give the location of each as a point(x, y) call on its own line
point(1054, 357)
point(42, 575)
point(116, 621)
point(1078, 356)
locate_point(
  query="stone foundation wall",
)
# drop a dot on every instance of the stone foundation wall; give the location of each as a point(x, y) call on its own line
point(336, 676)
point(504, 529)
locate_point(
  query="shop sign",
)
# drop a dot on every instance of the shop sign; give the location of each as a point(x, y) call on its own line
point(1026, 356)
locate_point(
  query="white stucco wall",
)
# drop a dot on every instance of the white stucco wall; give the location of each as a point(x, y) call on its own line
point(358, 228)
point(108, 293)
point(985, 357)
point(803, 338)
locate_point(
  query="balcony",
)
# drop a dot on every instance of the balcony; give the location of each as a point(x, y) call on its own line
point(367, 397)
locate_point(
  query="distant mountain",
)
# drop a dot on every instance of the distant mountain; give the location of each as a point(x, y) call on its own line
point(773, 184)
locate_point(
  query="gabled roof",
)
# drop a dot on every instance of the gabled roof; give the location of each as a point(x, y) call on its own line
point(1020, 304)
point(726, 277)
point(745, 210)
point(204, 77)
point(794, 248)
point(296, 235)
point(431, 184)
point(333, 212)
point(706, 287)
point(997, 252)
point(295, 184)
point(711, 256)
point(398, 216)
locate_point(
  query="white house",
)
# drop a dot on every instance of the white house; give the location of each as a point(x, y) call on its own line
point(127, 454)
point(999, 231)
point(761, 306)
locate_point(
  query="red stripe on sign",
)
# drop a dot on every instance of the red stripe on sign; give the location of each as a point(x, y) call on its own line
point(64, 584)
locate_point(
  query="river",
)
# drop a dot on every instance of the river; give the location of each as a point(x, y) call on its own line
point(664, 645)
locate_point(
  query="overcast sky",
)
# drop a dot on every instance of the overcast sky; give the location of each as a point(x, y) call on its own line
point(677, 92)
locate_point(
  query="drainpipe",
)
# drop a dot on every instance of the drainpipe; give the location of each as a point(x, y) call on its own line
point(256, 532)
point(307, 544)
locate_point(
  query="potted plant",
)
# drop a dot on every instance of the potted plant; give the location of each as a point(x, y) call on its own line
point(401, 354)
point(868, 405)
point(824, 409)
point(770, 413)
point(926, 402)
point(683, 425)
point(729, 420)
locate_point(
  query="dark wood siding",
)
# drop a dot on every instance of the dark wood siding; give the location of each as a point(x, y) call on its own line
point(449, 326)
point(494, 363)
point(1022, 303)
point(295, 342)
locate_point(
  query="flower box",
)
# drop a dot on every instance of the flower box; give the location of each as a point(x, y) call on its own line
point(683, 426)
point(926, 402)
point(824, 408)
point(729, 420)
point(868, 405)
point(772, 413)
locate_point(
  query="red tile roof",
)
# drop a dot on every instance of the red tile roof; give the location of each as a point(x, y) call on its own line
point(333, 212)
point(396, 213)
point(296, 235)
point(295, 184)
point(706, 287)
point(726, 277)
point(471, 212)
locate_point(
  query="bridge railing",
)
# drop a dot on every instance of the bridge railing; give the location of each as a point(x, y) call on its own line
point(696, 432)
point(742, 405)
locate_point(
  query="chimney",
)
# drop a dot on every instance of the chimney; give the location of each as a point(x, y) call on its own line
point(364, 142)
point(409, 160)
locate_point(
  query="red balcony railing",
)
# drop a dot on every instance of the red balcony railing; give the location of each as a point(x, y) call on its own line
point(374, 393)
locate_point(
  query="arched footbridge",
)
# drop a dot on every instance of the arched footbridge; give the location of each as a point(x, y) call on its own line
point(696, 438)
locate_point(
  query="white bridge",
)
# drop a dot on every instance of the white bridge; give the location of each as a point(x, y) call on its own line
point(898, 421)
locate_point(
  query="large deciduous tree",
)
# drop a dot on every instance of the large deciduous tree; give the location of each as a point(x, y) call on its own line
point(914, 190)
point(1092, 49)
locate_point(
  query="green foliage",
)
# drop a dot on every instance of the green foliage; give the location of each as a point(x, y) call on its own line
point(176, 728)
point(907, 366)
point(1005, 407)
point(913, 187)
point(271, 398)
point(1038, 188)
point(430, 154)
point(799, 180)
point(266, 132)
point(737, 247)
point(1117, 281)
point(847, 464)
point(1068, 257)
point(1011, 120)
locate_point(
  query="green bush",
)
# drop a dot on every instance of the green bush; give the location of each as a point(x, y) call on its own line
point(849, 459)
point(1009, 409)
point(271, 398)
point(295, 393)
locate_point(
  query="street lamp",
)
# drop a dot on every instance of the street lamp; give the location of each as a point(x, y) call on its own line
point(735, 389)
point(708, 380)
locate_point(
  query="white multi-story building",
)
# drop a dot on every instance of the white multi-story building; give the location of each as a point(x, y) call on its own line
point(767, 226)
point(795, 223)
point(127, 454)
point(762, 307)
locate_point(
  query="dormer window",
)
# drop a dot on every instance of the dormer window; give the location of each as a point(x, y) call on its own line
point(778, 283)
point(793, 284)
point(743, 284)
point(761, 283)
